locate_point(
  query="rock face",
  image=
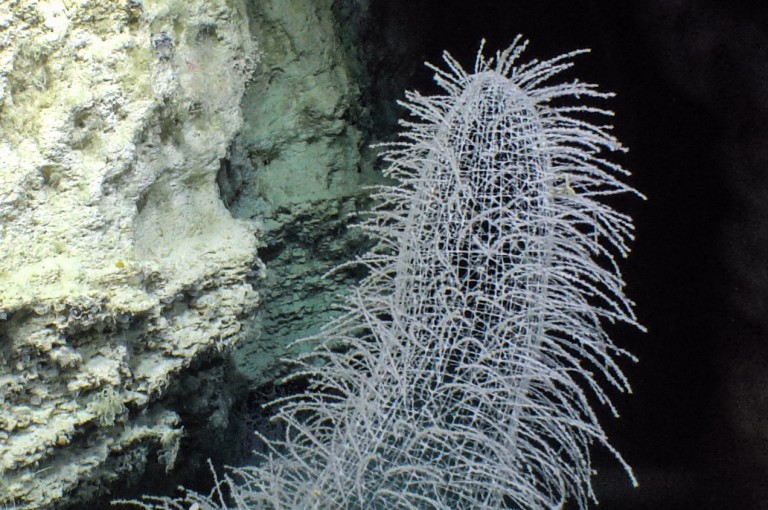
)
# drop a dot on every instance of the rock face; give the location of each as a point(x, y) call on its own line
point(119, 264)
point(299, 165)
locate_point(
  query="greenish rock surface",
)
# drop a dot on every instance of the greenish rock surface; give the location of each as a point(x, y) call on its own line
point(299, 166)
point(120, 267)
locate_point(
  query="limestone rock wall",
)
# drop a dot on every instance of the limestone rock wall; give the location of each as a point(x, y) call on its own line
point(119, 264)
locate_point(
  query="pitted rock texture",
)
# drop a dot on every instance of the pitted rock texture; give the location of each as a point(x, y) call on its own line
point(119, 264)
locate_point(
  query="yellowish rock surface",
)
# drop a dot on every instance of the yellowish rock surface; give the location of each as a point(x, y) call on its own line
point(119, 264)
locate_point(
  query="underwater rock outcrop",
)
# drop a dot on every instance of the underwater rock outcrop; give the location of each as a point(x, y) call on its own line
point(120, 266)
point(299, 166)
